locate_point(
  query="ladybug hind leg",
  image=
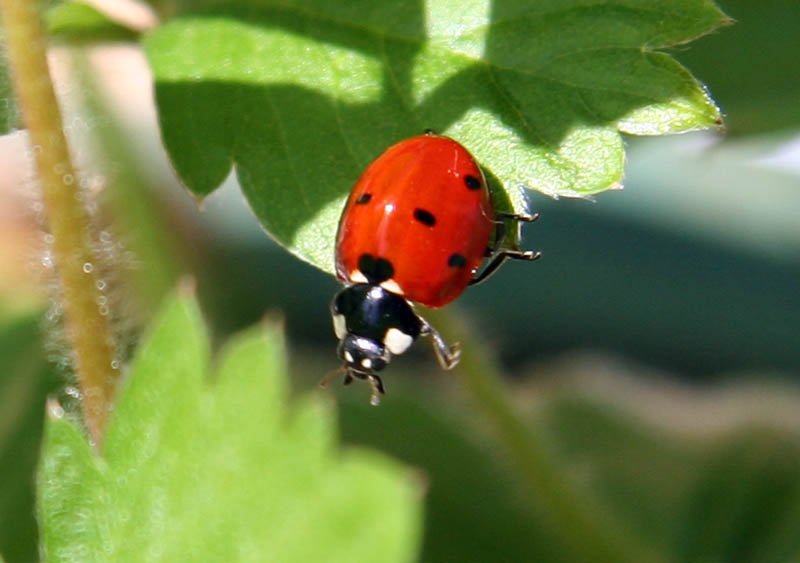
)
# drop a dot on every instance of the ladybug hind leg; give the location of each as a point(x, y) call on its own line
point(447, 356)
point(499, 255)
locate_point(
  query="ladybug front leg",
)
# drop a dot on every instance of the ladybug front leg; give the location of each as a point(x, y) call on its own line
point(448, 356)
point(498, 256)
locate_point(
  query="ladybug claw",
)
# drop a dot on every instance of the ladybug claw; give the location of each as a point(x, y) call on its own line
point(531, 255)
point(453, 356)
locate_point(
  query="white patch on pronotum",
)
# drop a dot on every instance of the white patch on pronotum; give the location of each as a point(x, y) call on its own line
point(348, 356)
point(391, 285)
point(357, 277)
point(397, 341)
point(366, 363)
point(339, 326)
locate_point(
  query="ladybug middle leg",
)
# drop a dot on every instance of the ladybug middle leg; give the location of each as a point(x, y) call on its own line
point(499, 255)
point(448, 356)
point(377, 389)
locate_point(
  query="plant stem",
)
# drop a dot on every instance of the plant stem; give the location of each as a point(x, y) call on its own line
point(88, 331)
point(588, 530)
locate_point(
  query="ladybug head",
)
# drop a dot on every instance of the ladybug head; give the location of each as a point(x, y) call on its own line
point(362, 355)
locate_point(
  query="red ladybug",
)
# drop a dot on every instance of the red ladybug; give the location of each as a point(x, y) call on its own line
point(415, 229)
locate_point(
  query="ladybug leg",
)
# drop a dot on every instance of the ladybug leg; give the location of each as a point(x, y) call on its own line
point(377, 389)
point(498, 256)
point(448, 356)
point(502, 256)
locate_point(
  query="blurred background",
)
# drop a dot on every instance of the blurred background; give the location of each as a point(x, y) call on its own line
point(654, 350)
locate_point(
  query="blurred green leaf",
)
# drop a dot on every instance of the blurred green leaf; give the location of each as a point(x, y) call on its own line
point(25, 380)
point(80, 22)
point(699, 499)
point(301, 96)
point(222, 471)
point(641, 473)
point(476, 509)
point(746, 506)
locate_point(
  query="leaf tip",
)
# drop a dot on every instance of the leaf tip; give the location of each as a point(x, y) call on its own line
point(199, 199)
point(726, 21)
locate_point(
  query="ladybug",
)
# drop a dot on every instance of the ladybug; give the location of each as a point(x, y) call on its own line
point(415, 229)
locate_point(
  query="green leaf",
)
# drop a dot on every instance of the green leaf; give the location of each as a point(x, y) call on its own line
point(79, 22)
point(746, 505)
point(301, 96)
point(25, 380)
point(228, 470)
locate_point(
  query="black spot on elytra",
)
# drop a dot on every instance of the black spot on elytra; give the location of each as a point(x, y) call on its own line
point(472, 182)
point(424, 217)
point(376, 270)
point(364, 198)
point(456, 261)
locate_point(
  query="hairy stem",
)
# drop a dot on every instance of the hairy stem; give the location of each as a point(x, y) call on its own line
point(586, 528)
point(88, 331)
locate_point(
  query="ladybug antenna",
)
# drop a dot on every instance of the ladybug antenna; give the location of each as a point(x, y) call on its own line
point(333, 373)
